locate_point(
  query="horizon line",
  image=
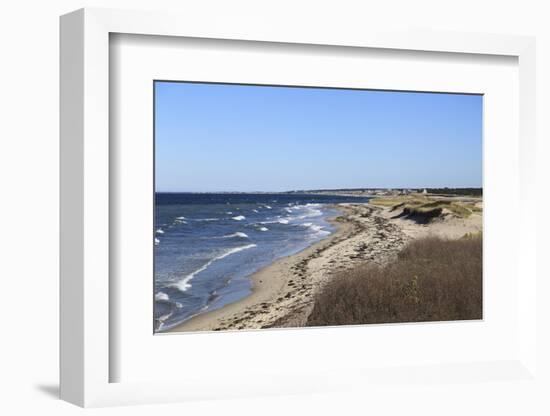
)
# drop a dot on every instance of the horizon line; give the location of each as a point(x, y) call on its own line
point(319, 189)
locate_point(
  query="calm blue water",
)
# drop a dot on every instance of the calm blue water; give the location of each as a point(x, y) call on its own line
point(207, 245)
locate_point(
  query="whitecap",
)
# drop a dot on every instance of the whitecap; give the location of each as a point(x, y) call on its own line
point(319, 229)
point(263, 229)
point(160, 231)
point(161, 296)
point(277, 221)
point(157, 241)
point(237, 234)
point(310, 210)
point(238, 218)
point(163, 318)
point(184, 284)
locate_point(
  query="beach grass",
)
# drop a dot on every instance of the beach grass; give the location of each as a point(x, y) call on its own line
point(397, 200)
point(432, 279)
point(426, 206)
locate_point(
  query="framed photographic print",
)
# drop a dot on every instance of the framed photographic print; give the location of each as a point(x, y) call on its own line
point(263, 219)
point(267, 205)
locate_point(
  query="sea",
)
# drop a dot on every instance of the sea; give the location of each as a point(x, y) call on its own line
point(208, 245)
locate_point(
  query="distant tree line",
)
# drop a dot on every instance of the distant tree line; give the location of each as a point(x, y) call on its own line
point(441, 191)
point(456, 191)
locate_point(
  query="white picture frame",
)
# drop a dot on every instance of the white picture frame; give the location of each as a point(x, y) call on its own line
point(86, 263)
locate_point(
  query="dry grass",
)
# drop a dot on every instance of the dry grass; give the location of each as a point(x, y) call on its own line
point(431, 280)
point(425, 207)
point(398, 200)
point(460, 209)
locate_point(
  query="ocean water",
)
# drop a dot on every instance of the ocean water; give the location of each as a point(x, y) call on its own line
point(208, 245)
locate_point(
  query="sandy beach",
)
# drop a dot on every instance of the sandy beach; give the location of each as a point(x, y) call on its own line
point(283, 292)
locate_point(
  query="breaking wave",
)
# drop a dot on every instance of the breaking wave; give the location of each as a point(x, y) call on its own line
point(184, 284)
point(234, 235)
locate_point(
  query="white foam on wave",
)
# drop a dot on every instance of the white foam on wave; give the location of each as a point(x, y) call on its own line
point(268, 207)
point(311, 213)
point(263, 229)
point(160, 231)
point(207, 219)
point(161, 296)
point(157, 241)
point(229, 213)
point(319, 229)
point(184, 284)
point(180, 218)
point(238, 218)
point(255, 210)
point(237, 234)
point(310, 210)
point(163, 318)
point(285, 220)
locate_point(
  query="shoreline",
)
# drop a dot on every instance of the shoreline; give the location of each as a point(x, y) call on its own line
point(265, 287)
point(283, 292)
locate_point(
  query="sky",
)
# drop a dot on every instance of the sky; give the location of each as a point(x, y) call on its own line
point(242, 138)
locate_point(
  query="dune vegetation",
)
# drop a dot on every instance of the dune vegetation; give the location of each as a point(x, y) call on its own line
point(432, 279)
point(428, 207)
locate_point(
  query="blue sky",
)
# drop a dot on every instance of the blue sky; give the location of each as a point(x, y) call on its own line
point(217, 137)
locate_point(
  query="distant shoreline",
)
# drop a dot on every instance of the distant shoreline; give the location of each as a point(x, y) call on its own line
point(362, 192)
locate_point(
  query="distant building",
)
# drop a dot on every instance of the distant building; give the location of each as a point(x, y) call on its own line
point(425, 191)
